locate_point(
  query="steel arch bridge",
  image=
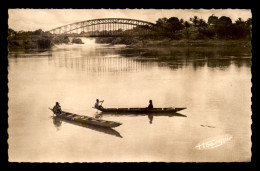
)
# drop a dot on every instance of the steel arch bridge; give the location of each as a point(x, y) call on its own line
point(104, 27)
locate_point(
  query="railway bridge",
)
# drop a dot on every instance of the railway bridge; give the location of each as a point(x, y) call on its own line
point(104, 27)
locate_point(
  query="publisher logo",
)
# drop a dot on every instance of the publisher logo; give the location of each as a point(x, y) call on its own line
point(213, 142)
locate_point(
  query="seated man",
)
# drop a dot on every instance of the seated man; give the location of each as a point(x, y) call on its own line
point(97, 105)
point(150, 105)
point(57, 108)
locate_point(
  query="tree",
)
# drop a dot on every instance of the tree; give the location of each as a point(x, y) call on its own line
point(239, 21)
point(212, 19)
point(44, 43)
point(224, 20)
point(241, 29)
point(248, 22)
point(202, 23)
point(160, 26)
point(198, 22)
point(11, 33)
point(38, 32)
point(224, 27)
point(206, 32)
point(187, 26)
point(161, 22)
point(194, 20)
point(248, 27)
point(173, 25)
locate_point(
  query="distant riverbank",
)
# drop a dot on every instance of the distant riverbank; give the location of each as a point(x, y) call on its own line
point(151, 43)
point(192, 43)
point(41, 44)
point(36, 41)
point(40, 40)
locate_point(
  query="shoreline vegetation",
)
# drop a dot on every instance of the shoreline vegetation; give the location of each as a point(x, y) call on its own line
point(167, 32)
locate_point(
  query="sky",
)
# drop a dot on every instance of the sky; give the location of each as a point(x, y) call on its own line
point(47, 19)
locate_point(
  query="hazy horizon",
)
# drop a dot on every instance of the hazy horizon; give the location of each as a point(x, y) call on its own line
point(47, 19)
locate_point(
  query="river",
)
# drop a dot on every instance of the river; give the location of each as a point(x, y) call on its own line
point(214, 84)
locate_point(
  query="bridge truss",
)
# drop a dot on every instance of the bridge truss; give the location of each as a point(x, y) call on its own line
point(104, 27)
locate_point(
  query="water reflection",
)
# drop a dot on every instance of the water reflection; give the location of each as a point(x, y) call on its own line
point(96, 59)
point(102, 64)
point(208, 55)
point(123, 59)
point(150, 116)
point(58, 122)
point(30, 54)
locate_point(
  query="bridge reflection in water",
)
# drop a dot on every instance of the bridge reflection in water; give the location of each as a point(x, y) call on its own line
point(115, 59)
point(58, 123)
point(101, 62)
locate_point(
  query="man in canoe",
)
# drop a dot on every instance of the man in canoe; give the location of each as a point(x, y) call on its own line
point(57, 108)
point(98, 105)
point(150, 104)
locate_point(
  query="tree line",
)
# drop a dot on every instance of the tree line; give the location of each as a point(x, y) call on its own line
point(196, 28)
point(173, 28)
point(29, 39)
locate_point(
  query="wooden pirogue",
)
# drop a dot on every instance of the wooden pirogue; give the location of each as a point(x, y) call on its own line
point(107, 130)
point(140, 110)
point(86, 119)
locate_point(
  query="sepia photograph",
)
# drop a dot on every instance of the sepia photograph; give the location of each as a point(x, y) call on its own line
point(129, 85)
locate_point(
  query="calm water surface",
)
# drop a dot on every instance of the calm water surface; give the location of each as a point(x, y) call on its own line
point(214, 85)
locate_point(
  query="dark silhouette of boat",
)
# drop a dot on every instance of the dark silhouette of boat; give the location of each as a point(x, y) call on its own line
point(57, 121)
point(86, 119)
point(150, 115)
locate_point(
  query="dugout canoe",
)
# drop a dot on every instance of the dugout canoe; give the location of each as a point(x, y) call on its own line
point(86, 119)
point(141, 110)
point(107, 130)
point(141, 114)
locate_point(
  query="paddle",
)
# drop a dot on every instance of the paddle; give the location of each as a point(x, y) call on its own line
point(52, 111)
point(102, 102)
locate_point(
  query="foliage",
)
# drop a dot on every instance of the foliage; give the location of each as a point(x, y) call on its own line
point(206, 33)
point(178, 29)
point(44, 43)
point(77, 41)
point(212, 19)
point(29, 40)
point(60, 39)
point(220, 28)
point(127, 40)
